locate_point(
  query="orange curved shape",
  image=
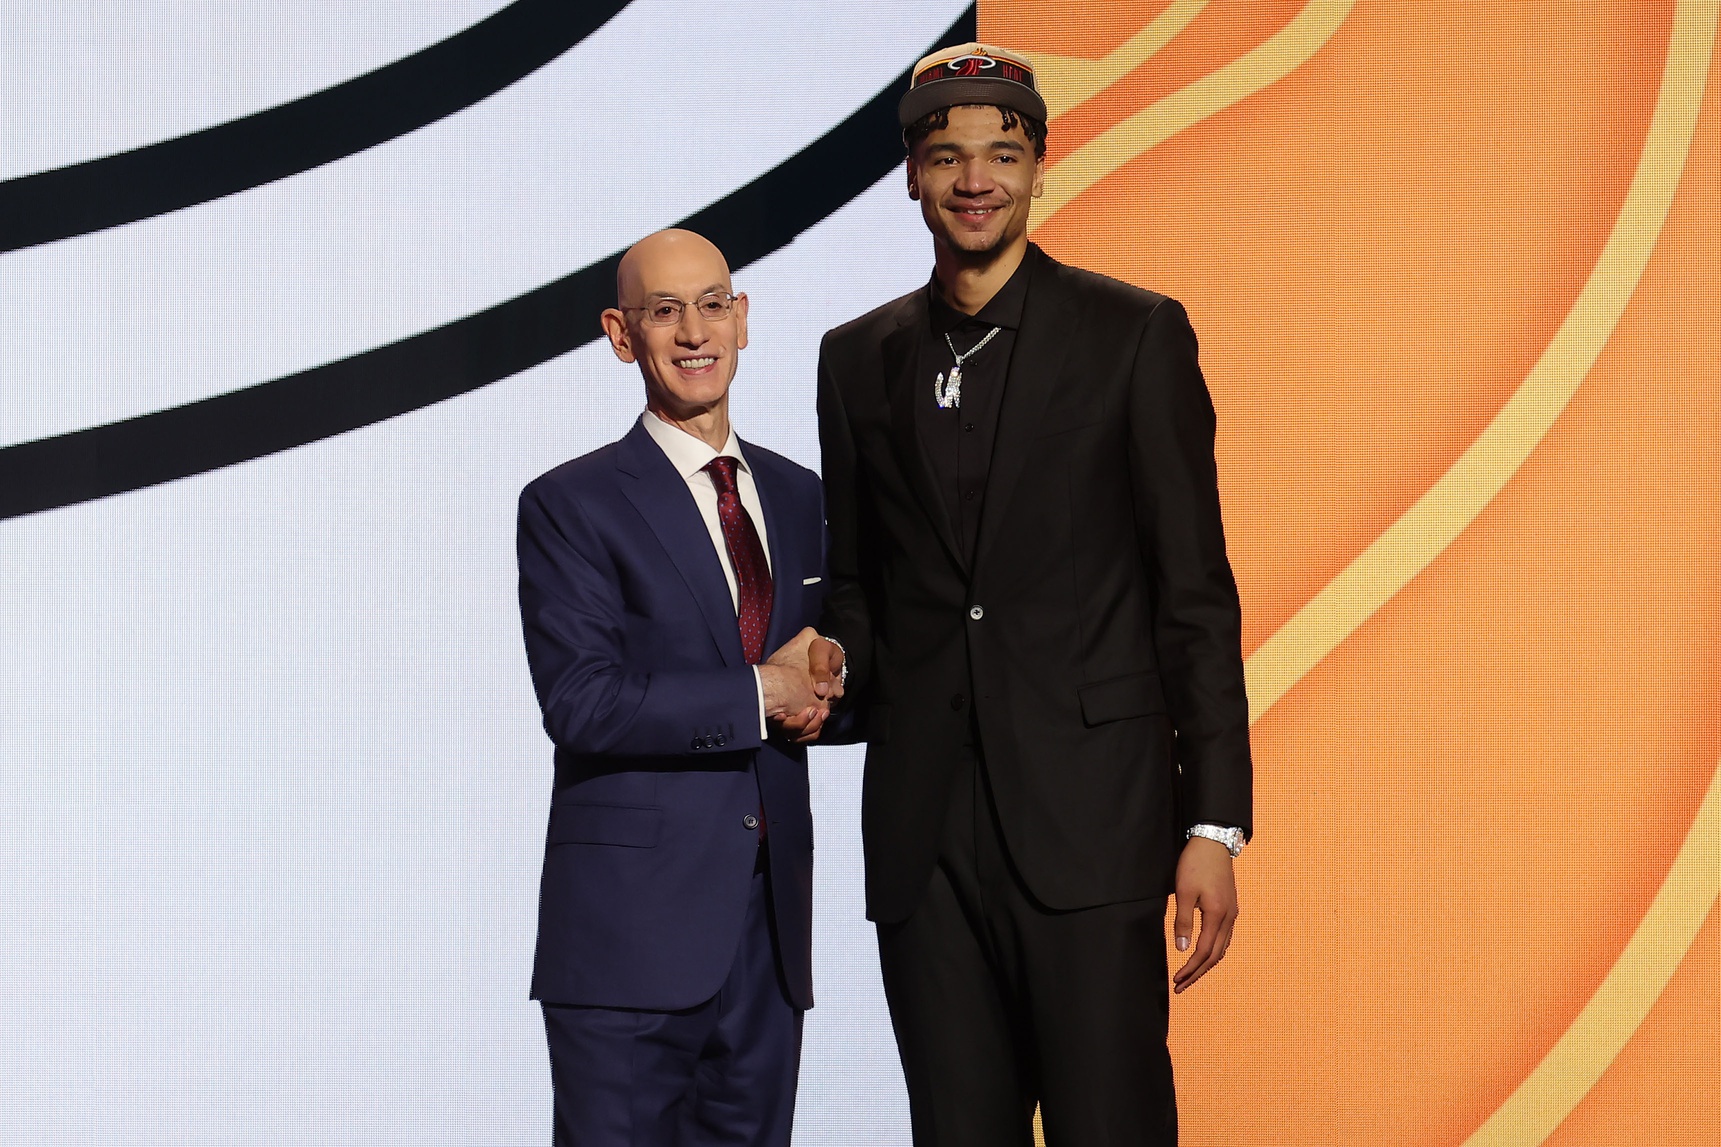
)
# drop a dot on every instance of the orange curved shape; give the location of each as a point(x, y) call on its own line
point(1219, 34)
point(1279, 221)
point(1084, 28)
point(1465, 810)
point(1664, 1085)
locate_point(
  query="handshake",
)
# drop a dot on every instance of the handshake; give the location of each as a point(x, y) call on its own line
point(801, 682)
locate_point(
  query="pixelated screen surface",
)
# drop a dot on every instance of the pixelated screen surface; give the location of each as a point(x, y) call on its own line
point(294, 299)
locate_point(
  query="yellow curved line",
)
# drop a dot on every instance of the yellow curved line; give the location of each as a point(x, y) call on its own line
point(1448, 507)
point(1637, 979)
point(1066, 81)
point(1266, 64)
point(1659, 944)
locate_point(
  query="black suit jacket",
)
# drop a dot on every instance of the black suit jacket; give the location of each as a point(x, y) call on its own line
point(1094, 634)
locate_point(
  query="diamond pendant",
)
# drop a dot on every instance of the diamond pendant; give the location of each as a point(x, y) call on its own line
point(948, 395)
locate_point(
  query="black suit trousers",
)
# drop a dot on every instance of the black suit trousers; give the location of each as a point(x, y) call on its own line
point(1000, 1003)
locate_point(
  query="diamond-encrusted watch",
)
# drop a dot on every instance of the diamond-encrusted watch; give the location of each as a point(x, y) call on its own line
point(1231, 838)
point(843, 672)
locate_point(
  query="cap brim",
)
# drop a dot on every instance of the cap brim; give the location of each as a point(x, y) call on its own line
point(959, 90)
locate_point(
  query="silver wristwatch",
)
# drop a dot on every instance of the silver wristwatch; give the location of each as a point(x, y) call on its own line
point(843, 673)
point(1231, 838)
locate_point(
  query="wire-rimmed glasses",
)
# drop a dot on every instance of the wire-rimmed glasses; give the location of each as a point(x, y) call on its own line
point(666, 310)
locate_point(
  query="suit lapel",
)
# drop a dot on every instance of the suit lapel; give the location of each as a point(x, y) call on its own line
point(1049, 323)
point(662, 498)
point(901, 354)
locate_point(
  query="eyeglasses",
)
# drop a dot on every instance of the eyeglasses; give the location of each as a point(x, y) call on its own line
point(667, 312)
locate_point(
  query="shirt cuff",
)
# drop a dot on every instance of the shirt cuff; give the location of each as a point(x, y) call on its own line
point(759, 687)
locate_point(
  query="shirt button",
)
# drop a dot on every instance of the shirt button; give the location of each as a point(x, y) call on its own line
point(958, 701)
point(750, 822)
point(975, 613)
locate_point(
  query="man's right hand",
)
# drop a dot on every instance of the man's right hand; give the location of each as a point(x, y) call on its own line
point(790, 701)
point(825, 666)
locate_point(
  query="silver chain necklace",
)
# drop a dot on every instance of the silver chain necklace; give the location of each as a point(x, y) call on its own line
point(948, 395)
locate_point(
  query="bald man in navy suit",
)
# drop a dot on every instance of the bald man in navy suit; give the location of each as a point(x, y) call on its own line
point(674, 958)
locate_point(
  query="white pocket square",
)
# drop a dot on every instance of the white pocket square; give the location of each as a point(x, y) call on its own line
point(811, 580)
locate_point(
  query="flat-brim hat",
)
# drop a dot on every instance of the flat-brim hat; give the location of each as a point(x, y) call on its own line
point(971, 74)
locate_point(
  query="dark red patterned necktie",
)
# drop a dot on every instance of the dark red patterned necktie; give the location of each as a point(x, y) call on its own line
point(747, 556)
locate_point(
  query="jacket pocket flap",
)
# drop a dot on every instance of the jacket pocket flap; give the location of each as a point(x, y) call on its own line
point(1134, 695)
point(1077, 409)
point(627, 825)
point(1069, 421)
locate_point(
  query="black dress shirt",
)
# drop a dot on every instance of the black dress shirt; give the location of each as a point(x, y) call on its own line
point(958, 441)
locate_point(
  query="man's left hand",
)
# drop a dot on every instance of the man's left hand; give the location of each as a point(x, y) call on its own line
point(790, 702)
point(1204, 880)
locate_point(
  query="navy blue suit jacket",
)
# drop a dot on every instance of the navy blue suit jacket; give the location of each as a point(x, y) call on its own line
point(636, 657)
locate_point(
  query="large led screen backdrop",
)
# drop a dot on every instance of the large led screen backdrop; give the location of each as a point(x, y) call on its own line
point(295, 297)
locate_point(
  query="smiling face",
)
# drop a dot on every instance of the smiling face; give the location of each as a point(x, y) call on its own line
point(689, 365)
point(976, 182)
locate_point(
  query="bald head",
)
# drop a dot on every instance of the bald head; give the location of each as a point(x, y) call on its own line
point(665, 263)
point(677, 318)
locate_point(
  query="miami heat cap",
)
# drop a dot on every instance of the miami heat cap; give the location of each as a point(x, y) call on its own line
point(971, 74)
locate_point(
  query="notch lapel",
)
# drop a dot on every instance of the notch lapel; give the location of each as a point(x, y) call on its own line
point(900, 352)
point(662, 498)
point(1050, 321)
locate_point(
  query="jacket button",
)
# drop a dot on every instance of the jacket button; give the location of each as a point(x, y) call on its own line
point(697, 745)
point(958, 701)
point(721, 740)
point(975, 613)
point(750, 821)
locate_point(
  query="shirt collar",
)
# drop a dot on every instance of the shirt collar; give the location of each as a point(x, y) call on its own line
point(1003, 309)
point(689, 455)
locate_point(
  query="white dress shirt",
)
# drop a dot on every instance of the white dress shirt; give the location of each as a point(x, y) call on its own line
point(690, 455)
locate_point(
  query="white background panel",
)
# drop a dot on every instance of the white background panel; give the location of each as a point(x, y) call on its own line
point(80, 79)
point(272, 783)
point(643, 123)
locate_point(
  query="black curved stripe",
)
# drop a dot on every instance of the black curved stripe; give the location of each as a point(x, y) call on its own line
point(748, 224)
point(281, 141)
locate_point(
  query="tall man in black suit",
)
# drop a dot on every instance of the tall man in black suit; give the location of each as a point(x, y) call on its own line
point(1029, 582)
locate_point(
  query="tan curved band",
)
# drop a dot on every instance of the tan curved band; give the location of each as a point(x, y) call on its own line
point(1266, 64)
point(1664, 936)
